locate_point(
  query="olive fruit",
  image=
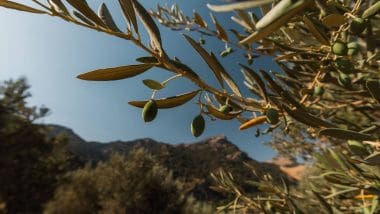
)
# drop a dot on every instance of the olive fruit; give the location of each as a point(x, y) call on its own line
point(225, 109)
point(339, 48)
point(358, 25)
point(318, 90)
point(344, 80)
point(149, 111)
point(344, 65)
point(353, 48)
point(272, 116)
point(198, 126)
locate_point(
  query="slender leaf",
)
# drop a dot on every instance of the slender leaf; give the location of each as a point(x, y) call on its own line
point(346, 134)
point(238, 6)
point(373, 87)
point(169, 102)
point(149, 24)
point(153, 84)
point(82, 6)
point(106, 17)
point(129, 13)
point(220, 115)
point(18, 6)
point(116, 73)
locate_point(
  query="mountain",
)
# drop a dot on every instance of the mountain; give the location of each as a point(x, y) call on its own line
point(191, 163)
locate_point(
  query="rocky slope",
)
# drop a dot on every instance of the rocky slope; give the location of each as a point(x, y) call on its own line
point(191, 163)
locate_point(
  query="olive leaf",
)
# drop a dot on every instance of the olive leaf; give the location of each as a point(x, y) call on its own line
point(373, 87)
point(316, 31)
point(169, 102)
point(207, 58)
point(220, 115)
point(153, 84)
point(323, 202)
point(238, 6)
point(106, 17)
point(230, 82)
point(18, 6)
point(333, 20)
point(129, 13)
point(58, 6)
point(219, 29)
point(116, 73)
point(83, 18)
point(82, 7)
point(149, 24)
point(371, 11)
point(357, 148)
point(254, 77)
point(199, 20)
point(346, 134)
point(184, 68)
point(279, 90)
point(253, 122)
point(276, 18)
point(306, 118)
point(373, 159)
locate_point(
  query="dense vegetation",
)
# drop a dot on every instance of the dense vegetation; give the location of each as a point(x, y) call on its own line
point(323, 104)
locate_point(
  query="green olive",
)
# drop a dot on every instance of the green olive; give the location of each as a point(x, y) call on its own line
point(358, 25)
point(198, 126)
point(318, 90)
point(339, 48)
point(344, 80)
point(353, 48)
point(149, 111)
point(272, 116)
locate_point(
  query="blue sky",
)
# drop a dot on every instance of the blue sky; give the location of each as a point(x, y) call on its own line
point(51, 53)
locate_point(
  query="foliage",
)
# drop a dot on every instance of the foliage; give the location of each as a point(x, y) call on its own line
point(329, 83)
point(136, 184)
point(30, 163)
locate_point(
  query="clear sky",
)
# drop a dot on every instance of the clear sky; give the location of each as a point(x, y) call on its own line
point(51, 53)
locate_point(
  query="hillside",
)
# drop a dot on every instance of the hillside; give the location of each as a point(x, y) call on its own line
point(191, 163)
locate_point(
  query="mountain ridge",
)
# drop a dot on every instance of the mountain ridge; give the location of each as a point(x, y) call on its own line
point(190, 162)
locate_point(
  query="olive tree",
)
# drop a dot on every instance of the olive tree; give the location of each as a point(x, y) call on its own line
point(326, 91)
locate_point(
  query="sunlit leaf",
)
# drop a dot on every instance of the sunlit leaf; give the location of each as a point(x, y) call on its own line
point(254, 77)
point(169, 102)
point(83, 18)
point(199, 20)
point(371, 11)
point(207, 58)
point(153, 84)
point(221, 32)
point(149, 24)
point(106, 17)
point(82, 6)
point(18, 6)
point(253, 122)
point(129, 13)
point(276, 18)
point(238, 5)
point(116, 73)
point(220, 115)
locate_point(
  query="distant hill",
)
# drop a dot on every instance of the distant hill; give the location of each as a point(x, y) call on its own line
point(192, 163)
